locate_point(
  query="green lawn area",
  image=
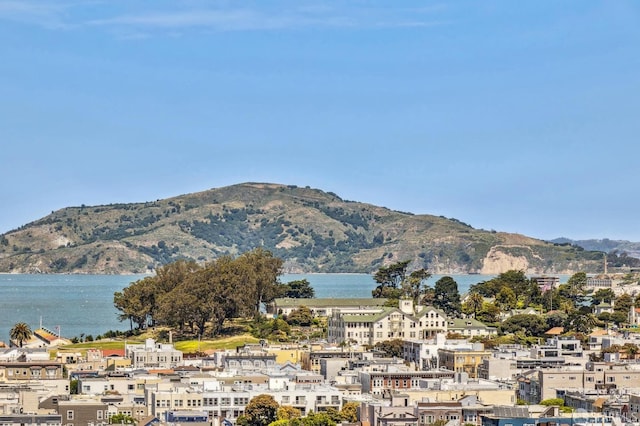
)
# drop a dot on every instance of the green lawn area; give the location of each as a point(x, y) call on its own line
point(191, 346)
point(186, 346)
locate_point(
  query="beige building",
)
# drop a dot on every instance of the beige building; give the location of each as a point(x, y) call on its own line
point(595, 376)
point(153, 355)
point(463, 360)
point(370, 326)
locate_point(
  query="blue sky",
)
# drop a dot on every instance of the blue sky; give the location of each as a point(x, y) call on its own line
point(514, 116)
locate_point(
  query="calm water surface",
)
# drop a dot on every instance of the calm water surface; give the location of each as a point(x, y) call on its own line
point(84, 303)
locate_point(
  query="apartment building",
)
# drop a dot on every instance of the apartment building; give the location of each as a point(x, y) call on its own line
point(463, 360)
point(230, 402)
point(83, 412)
point(153, 355)
point(594, 376)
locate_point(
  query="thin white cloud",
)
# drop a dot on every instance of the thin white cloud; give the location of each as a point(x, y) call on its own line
point(142, 23)
point(251, 20)
point(218, 19)
point(42, 14)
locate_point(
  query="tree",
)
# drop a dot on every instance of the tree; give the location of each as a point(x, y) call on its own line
point(349, 412)
point(137, 302)
point(391, 348)
point(530, 325)
point(260, 270)
point(394, 282)
point(301, 316)
point(580, 322)
point(631, 350)
point(489, 313)
point(517, 281)
point(389, 279)
point(623, 303)
point(120, 419)
point(619, 318)
point(73, 386)
point(473, 304)
point(576, 287)
point(20, 333)
point(603, 295)
point(260, 411)
point(318, 419)
point(447, 296)
point(556, 319)
point(287, 412)
point(506, 299)
point(552, 299)
point(299, 289)
point(414, 285)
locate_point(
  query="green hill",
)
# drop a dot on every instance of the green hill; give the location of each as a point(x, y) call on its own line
point(312, 230)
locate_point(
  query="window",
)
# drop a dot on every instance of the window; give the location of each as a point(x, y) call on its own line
point(99, 415)
point(69, 414)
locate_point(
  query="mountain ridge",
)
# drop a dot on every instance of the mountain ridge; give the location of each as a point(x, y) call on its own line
point(312, 230)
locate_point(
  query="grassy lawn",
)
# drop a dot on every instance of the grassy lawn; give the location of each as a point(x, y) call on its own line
point(191, 346)
point(186, 346)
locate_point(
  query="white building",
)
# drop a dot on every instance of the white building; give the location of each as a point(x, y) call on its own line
point(229, 402)
point(370, 326)
point(153, 355)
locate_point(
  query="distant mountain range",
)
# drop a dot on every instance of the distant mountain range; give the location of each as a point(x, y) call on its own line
point(312, 230)
point(606, 245)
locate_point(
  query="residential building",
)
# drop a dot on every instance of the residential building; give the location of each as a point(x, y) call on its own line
point(229, 402)
point(368, 327)
point(153, 355)
point(395, 379)
point(383, 414)
point(594, 376)
point(469, 327)
point(17, 419)
point(424, 353)
point(323, 307)
point(83, 412)
point(462, 360)
point(558, 347)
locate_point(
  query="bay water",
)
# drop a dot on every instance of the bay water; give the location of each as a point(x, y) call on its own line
point(83, 304)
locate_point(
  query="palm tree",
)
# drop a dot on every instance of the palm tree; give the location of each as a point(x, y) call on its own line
point(20, 332)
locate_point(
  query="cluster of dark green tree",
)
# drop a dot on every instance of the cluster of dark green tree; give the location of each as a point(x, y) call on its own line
point(185, 295)
point(569, 305)
point(395, 282)
point(299, 325)
point(264, 410)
